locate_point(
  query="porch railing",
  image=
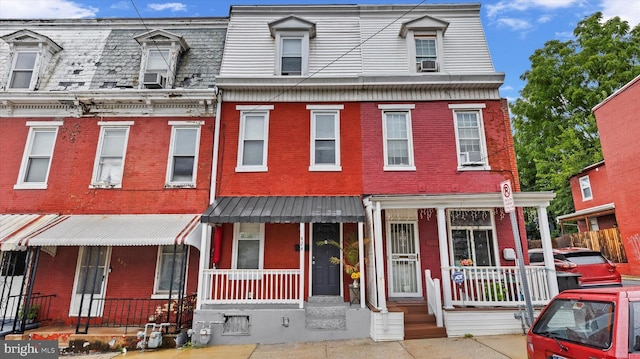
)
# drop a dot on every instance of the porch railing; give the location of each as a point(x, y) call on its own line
point(434, 297)
point(251, 286)
point(136, 312)
point(497, 286)
point(12, 314)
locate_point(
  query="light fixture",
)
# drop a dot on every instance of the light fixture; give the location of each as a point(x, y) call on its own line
point(285, 322)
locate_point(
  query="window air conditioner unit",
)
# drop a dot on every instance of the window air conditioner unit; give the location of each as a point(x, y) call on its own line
point(154, 80)
point(473, 158)
point(428, 65)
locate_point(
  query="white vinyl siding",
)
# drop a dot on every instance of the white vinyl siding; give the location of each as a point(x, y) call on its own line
point(38, 152)
point(183, 155)
point(110, 155)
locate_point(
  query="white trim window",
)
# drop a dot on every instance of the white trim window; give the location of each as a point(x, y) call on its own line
point(38, 152)
point(585, 188)
point(22, 69)
point(183, 154)
point(169, 262)
point(110, 155)
point(472, 236)
point(470, 141)
point(160, 56)
point(248, 246)
point(292, 35)
point(426, 53)
point(253, 138)
point(397, 137)
point(325, 137)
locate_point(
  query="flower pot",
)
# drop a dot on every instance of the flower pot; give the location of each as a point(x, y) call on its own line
point(356, 283)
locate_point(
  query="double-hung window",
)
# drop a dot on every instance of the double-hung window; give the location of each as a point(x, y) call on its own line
point(22, 72)
point(472, 237)
point(325, 137)
point(470, 140)
point(110, 156)
point(253, 139)
point(398, 138)
point(160, 56)
point(291, 59)
point(36, 161)
point(585, 188)
point(248, 246)
point(292, 35)
point(183, 154)
point(426, 53)
point(169, 269)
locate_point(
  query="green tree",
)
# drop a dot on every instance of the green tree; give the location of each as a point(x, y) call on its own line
point(555, 132)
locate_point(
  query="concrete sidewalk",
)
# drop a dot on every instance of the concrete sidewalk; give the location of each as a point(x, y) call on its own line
point(483, 347)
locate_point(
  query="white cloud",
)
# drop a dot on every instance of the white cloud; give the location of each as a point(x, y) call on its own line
point(544, 19)
point(173, 6)
point(513, 23)
point(122, 5)
point(45, 9)
point(628, 10)
point(504, 6)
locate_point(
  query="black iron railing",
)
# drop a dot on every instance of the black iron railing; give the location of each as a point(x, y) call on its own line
point(18, 315)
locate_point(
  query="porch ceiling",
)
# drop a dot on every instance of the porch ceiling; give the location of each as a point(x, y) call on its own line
point(118, 230)
point(285, 209)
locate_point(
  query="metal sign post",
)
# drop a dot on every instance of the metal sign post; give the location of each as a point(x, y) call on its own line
point(509, 207)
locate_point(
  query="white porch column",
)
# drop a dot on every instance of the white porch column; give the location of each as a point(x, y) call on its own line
point(361, 261)
point(302, 241)
point(443, 245)
point(380, 265)
point(545, 235)
point(205, 250)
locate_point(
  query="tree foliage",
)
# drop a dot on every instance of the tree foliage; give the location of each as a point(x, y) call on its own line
point(555, 131)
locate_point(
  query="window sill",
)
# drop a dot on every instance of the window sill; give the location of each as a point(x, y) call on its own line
point(326, 168)
point(399, 168)
point(474, 168)
point(30, 186)
point(164, 296)
point(251, 169)
point(179, 185)
point(105, 186)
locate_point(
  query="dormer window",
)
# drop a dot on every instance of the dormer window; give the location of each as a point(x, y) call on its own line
point(425, 38)
point(30, 54)
point(292, 35)
point(160, 53)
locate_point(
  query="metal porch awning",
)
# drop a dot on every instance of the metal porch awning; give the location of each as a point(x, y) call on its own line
point(118, 230)
point(15, 227)
point(597, 211)
point(285, 209)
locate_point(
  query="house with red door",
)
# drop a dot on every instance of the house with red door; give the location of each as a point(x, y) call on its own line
point(605, 194)
point(107, 131)
point(379, 127)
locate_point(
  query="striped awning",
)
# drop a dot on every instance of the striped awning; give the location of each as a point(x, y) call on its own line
point(285, 209)
point(118, 230)
point(15, 227)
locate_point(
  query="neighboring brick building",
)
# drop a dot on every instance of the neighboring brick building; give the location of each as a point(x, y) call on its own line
point(107, 132)
point(606, 194)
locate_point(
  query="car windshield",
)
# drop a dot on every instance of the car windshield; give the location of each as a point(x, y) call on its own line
point(584, 258)
point(584, 322)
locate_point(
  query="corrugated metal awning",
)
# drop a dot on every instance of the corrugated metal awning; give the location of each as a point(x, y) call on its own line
point(15, 227)
point(119, 230)
point(285, 209)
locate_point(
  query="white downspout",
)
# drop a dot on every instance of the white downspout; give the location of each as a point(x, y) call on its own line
point(205, 241)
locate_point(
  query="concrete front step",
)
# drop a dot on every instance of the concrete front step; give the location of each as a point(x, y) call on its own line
point(326, 313)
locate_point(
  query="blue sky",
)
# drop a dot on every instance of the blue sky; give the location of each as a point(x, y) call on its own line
point(514, 28)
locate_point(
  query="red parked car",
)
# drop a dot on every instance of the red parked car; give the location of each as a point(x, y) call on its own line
point(599, 323)
point(593, 267)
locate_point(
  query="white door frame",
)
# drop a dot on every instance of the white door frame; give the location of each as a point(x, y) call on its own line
point(96, 310)
point(414, 287)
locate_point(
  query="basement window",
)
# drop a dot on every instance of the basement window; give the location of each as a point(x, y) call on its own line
point(236, 325)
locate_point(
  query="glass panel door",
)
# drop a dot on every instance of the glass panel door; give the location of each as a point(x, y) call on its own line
point(404, 260)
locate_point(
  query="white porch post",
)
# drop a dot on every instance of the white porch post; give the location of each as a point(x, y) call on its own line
point(380, 265)
point(443, 245)
point(545, 235)
point(361, 261)
point(205, 249)
point(302, 241)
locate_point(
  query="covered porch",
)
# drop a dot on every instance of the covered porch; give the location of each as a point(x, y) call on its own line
point(270, 273)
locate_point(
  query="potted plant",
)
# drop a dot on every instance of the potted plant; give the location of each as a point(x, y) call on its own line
point(350, 255)
point(32, 313)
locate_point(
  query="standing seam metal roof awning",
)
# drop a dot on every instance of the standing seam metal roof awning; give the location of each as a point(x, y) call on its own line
point(285, 209)
point(118, 230)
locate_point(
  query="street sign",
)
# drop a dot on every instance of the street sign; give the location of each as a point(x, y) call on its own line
point(507, 196)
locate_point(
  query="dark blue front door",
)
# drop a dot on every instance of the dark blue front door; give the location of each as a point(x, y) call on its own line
point(326, 276)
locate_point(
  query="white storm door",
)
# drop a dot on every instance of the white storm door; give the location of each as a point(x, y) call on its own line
point(91, 276)
point(404, 260)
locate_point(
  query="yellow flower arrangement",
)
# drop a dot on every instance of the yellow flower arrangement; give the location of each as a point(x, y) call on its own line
point(355, 275)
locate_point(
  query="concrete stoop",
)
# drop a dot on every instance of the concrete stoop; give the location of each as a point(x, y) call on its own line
point(326, 313)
